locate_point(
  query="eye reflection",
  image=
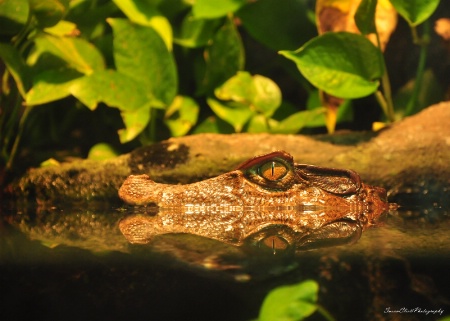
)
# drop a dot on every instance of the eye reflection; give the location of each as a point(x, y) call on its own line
point(272, 171)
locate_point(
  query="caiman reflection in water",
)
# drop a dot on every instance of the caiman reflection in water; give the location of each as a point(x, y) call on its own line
point(267, 202)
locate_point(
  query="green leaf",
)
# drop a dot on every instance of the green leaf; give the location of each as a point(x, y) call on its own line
point(76, 52)
point(51, 85)
point(259, 124)
point(213, 124)
point(297, 121)
point(290, 303)
point(49, 12)
point(415, 11)
point(343, 64)
point(214, 9)
point(13, 16)
point(233, 113)
point(135, 121)
point(63, 28)
point(140, 54)
point(258, 93)
point(16, 66)
point(196, 32)
point(239, 88)
point(145, 13)
point(365, 16)
point(111, 88)
point(344, 112)
point(224, 57)
point(267, 96)
point(280, 25)
point(181, 115)
point(102, 151)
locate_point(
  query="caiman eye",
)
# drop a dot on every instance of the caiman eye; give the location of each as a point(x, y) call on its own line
point(272, 171)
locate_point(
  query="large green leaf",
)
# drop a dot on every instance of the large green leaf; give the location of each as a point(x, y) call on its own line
point(111, 88)
point(343, 64)
point(260, 94)
point(49, 12)
point(51, 85)
point(235, 114)
point(280, 25)
point(78, 53)
point(214, 9)
point(415, 11)
point(13, 16)
point(16, 66)
point(181, 115)
point(239, 88)
point(145, 13)
point(267, 95)
point(290, 303)
point(140, 54)
point(297, 121)
point(365, 16)
point(135, 121)
point(116, 90)
point(223, 57)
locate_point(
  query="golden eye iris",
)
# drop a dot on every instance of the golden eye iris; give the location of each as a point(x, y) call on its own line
point(273, 171)
point(275, 243)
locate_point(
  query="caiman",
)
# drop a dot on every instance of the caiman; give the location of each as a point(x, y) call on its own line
point(268, 201)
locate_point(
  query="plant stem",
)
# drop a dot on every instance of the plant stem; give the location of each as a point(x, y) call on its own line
point(17, 140)
point(325, 313)
point(388, 105)
point(423, 43)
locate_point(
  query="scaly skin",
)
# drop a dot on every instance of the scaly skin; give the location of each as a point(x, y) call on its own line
point(267, 199)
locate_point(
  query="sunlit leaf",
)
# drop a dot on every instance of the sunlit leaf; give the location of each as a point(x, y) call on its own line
point(16, 66)
point(259, 124)
point(239, 88)
point(267, 97)
point(290, 303)
point(51, 85)
point(213, 124)
point(13, 16)
point(218, 8)
point(295, 122)
point(343, 64)
point(78, 53)
point(415, 11)
point(102, 151)
point(145, 13)
point(63, 28)
point(196, 32)
point(112, 88)
point(279, 29)
point(181, 115)
point(223, 57)
point(140, 54)
point(233, 113)
point(49, 12)
point(135, 121)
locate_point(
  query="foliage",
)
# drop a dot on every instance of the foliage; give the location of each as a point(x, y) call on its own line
point(292, 303)
point(170, 68)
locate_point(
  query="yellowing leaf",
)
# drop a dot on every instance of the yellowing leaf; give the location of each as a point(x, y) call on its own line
point(338, 15)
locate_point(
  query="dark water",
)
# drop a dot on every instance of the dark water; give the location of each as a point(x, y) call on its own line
point(74, 264)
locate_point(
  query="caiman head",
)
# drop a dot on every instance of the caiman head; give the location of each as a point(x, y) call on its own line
point(267, 201)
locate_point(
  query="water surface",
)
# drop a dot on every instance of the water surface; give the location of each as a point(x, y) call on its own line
point(73, 263)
